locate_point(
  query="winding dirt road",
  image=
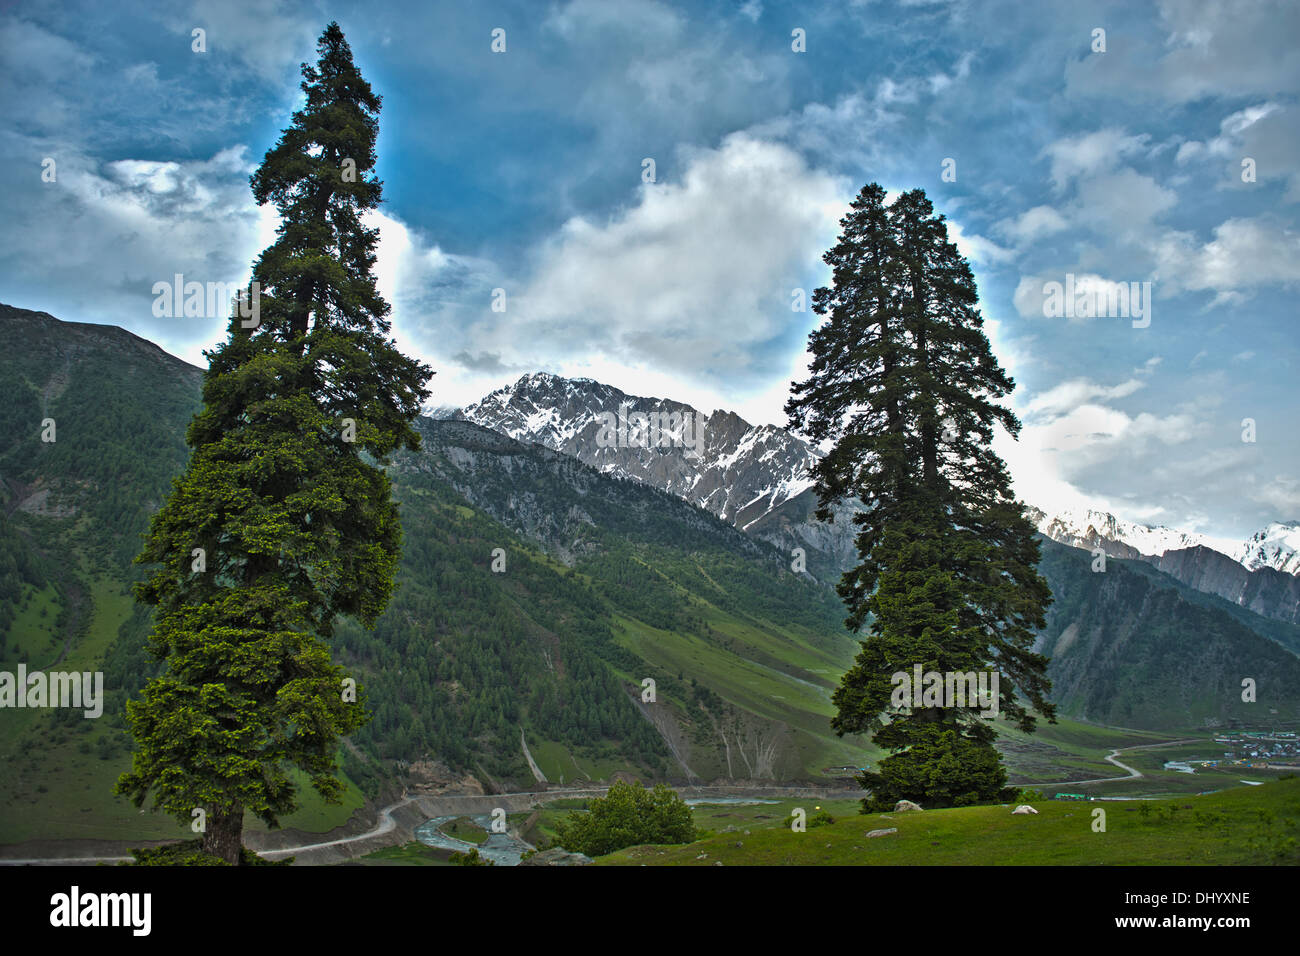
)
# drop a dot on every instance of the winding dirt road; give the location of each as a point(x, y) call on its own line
point(434, 806)
point(1133, 772)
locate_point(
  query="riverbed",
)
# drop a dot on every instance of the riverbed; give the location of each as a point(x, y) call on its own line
point(503, 849)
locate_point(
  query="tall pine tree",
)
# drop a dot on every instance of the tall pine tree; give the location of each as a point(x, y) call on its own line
point(904, 388)
point(284, 518)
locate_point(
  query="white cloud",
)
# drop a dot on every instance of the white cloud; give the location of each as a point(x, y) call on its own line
point(975, 247)
point(1282, 493)
point(694, 276)
point(39, 72)
point(1068, 448)
point(1070, 395)
point(270, 37)
point(1089, 153)
point(650, 20)
point(1032, 224)
point(1265, 134)
point(1034, 293)
point(1244, 254)
point(684, 293)
point(1121, 204)
point(1210, 48)
point(97, 239)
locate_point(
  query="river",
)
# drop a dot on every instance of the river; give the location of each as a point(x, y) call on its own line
point(501, 848)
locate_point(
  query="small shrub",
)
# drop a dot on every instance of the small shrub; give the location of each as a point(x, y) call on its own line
point(190, 853)
point(471, 858)
point(627, 816)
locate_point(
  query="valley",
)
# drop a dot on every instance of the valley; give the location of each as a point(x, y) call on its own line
point(610, 578)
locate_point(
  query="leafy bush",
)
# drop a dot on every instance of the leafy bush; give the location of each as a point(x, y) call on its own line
point(818, 819)
point(190, 853)
point(471, 858)
point(628, 815)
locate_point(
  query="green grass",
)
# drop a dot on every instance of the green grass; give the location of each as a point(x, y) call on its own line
point(745, 672)
point(542, 831)
point(720, 818)
point(314, 814)
point(59, 772)
point(573, 766)
point(1244, 826)
point(61, 793)
point(463, 828)
point(1068, 750)
point(556, 761)
point(408, 854)
point(33, 638)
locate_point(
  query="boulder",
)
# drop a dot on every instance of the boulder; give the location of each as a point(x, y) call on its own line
point(904, 805)
point(878, 833)
point(556, 856)
point(1024, 808)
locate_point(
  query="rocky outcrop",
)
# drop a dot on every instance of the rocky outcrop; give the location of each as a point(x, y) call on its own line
point(556, 857)
point(756, 478)
point(1265, 591)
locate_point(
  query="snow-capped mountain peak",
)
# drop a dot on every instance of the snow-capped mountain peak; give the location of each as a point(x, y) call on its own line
point(747, 474)
point(718, 461)
point(1084, 527)
point(1276, 546)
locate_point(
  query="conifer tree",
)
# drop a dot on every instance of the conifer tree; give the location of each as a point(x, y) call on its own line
point(284, 519)
point(905, 388)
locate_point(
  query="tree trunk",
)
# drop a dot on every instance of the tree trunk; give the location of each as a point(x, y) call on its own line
point(224, 836)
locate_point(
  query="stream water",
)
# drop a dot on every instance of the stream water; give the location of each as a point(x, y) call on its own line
point(501, 848)
point(506, 850)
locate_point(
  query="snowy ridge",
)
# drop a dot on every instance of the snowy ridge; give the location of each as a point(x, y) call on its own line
point(745, 474)
point(1275, 546)
point(720, 462)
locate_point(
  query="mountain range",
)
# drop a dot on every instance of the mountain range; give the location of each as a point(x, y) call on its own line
point(754, 477)
point(757, 478)
point(559, 615)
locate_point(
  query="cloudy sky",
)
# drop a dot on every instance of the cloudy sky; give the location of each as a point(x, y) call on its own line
point(1171, 158)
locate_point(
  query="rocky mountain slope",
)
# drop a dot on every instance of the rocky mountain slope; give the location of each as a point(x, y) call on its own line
point(754, 477)
point(1255, 574)
point(1127, 649)
point(1276, 546)
point(757, 479)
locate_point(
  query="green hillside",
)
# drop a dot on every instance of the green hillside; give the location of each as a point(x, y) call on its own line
point(1130, 648)
point(1249, 826)
point(606, 583)
point(633, 584)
